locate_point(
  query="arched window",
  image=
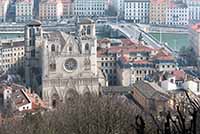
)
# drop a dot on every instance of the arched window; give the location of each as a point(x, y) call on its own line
point(70, 49)
point(52, 67)
point(87, 47)
point(53, 48)
point(55, 99)
point(88, 30)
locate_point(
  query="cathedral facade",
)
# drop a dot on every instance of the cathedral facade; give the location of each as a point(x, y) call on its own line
point(69, 64)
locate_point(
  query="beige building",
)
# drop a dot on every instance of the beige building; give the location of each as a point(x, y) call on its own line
point(128, 62)
point(67, 8)
point(24, 10)
point(158, 11)
point(11, 55)
point(3, 9)
point(68, 63)
point(50, 10)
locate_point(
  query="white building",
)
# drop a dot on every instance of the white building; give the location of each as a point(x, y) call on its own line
point(92, 8)
point(177, 14)
point(24, 10)
point(11, 55)
point(136, 11)
point(192, 85)
point(194, 10)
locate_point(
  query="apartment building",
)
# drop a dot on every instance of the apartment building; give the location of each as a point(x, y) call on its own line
point(129, 62)
point(24, 10)
point(11, 55)
point(194, 10)
point(67, 8)
point(177, 14)
point(158, 11)
point(50, 10)
point(3, 9)
point(90, 8)
point(136, 11)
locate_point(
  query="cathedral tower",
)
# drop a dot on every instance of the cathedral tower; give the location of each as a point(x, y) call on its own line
point(33, 42)
point(87, 35)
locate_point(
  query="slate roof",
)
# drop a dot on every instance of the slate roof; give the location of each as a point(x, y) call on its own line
point(35, 23)
point(117, 90)
point(86, 21)
point(150, 91)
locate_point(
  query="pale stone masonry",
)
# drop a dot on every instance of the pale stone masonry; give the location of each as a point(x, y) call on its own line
point(66, 64)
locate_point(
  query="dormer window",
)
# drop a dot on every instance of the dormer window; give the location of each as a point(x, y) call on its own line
point(53, 48)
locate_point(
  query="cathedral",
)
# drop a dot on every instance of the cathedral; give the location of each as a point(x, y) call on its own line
point(64, 63)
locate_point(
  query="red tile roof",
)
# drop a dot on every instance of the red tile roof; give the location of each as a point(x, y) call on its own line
point(163, 55)
point(124, 50)
point(141, 62)
point(157, 1)
point(128, 42)
point(179, 74)
point(36, 101)
point(105, 40)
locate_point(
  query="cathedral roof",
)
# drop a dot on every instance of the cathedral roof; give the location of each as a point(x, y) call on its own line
point(86, 21)
point(35, 23)
point(63, 39)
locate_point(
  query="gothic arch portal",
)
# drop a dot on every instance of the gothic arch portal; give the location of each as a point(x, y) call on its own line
point(71, 94)
point(54, 97)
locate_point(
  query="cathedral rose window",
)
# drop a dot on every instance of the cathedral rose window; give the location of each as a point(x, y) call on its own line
point(70, 64)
